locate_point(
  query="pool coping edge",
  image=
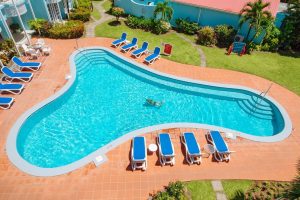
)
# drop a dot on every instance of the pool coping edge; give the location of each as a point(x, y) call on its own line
point(23, 165)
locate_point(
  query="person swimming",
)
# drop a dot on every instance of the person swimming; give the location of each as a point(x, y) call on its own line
point(153, 103)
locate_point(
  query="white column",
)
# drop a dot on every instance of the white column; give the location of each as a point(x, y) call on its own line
point(28, 39)
point(9, 32)
point(29, 3)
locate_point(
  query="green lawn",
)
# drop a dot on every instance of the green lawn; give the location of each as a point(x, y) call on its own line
point(107, 5)
point(183, 52)
point(201, 190)
point(234, 189)
point(284, 70)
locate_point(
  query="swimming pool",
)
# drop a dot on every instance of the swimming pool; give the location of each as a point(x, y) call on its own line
point(105, 100)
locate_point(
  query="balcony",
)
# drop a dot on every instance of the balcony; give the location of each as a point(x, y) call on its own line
point(9, 8)
point(52, 1)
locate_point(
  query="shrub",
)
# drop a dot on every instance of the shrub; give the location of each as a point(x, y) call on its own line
point(206, 36)
point(117, 12)
point(271, 39)
point(41, 26)
point(174, 191)
point(186, 26)
point(294, 191)
point(68, 30)
point(139, 22)
point(83, 4)
point(266, 190)
point(7, 51)
point(82, 14)
point(155, 26)
point(160, 27)
point(224, 35)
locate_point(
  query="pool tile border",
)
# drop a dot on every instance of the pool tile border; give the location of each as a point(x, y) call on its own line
point(28, 168)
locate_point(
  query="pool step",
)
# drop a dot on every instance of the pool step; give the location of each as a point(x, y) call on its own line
point(255, 111)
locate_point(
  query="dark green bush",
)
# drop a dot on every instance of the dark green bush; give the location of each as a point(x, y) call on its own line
point(174, 191)
point(41, 26)
point(83, 4)
point(68, 30)
point(266, 190)
point(160, 27)
point(117, 12)
point(155, 26)
point(82, 14)
point(224, 35)
point(7, 51)
point(186, 26)
point(207, 36)
point(271, 40)
point(139, 22)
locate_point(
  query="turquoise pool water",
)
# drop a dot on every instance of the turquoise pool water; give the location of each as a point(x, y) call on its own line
point(107, 100)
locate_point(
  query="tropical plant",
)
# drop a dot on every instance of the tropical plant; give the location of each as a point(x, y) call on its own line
point(117, 12)
point(69, 30)
point(258, 18)
point(266, 190)
point(7, 51)
point(207, 36)
point(294, 190)
point(291, 26)
point(225, 35)
point(83, 14)
point(174, 191)
point(271, 39)
point(39, 25)
point(186, 26)
point(165, 11)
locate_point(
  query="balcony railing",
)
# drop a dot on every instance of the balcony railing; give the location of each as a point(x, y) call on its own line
point(9, 8)
point(52, 1)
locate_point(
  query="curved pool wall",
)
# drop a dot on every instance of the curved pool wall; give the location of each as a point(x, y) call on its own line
point(24, 165)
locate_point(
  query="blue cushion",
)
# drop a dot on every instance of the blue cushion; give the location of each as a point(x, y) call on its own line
point(151, 57)
point(166, 144)
point(25, 64)
point(191, 143)
point(139, 148)
point(5, 100)
point(219, 141)
point(10, 86)
point(118, 41)
point(13, 74)
point(128, 46)
point(138, 51)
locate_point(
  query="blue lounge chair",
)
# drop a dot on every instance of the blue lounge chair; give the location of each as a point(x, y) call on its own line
point(222, 152)
point(129, 47)
point(34, 66)
point(138, 153)
point(151, 58)
point(192, 148)
point(20, 76)
point(139, 52)
point(5, 102)
point(166, 149)
point(13, 88)
point(120, 41)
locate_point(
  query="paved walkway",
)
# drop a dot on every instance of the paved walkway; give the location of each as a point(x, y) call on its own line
point(90, 26)
point(114, 180)
point(200, 51)
point(218, 188)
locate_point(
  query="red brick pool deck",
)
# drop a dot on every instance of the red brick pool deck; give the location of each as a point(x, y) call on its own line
point(114, 179)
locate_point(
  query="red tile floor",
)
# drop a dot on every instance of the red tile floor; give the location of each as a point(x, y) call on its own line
point(114, 179)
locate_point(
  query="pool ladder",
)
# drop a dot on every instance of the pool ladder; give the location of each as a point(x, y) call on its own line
point(262, 95)
point(81, 52)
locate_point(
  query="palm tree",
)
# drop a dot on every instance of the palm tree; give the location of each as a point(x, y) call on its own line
point(258, 18)
point(165, 10)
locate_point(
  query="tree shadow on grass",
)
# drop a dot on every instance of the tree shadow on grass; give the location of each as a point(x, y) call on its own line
point(114, 23)
point(287, 53)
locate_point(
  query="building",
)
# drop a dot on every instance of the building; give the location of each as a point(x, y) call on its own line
point(17, 13)
point(204, 12)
